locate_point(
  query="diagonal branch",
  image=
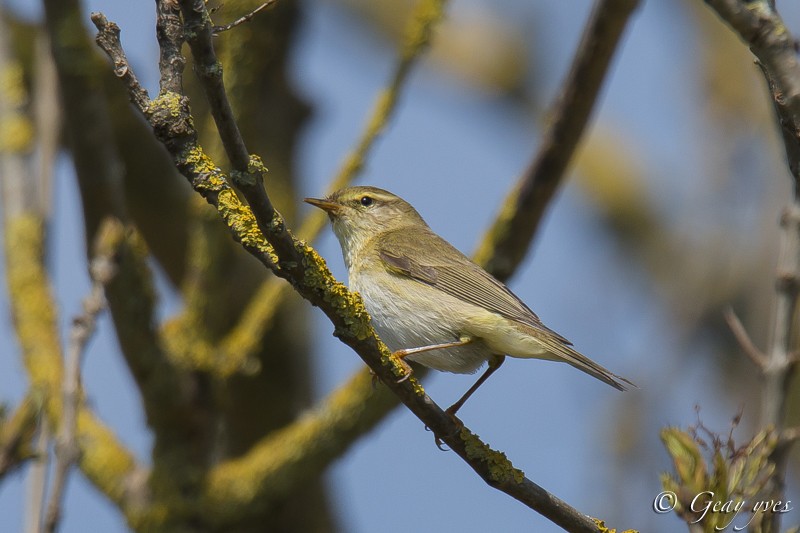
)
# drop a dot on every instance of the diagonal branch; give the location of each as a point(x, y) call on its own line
point(243, 19)
point(507, 241)
point(747, 344)
point(17, 434)
point(270, 241)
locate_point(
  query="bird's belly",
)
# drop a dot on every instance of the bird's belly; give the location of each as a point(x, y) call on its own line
point(401, 323)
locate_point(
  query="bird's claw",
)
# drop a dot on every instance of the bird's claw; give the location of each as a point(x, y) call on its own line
point(457, 421)
point(407, 371)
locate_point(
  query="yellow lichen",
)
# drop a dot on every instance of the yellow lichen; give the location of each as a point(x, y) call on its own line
point(200, 164)
point(104, 459)
point(419, 29)
point(601, 526)
point(348, 304)
point(240, 219)
point(16, 134)
point(168, 101)
point(500, 468)
point(256, 165)
point(33, 307)
point(188, 351)
point(12, 86)
point(16, 130)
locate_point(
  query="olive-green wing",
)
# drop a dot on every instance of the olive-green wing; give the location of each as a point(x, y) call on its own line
point(453, 273)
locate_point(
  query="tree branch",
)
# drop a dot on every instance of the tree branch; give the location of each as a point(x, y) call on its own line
point(104, 460)
point(299, 263)
point(759, 25)
point(17, 433)
point(37, 481)
point(242, 20)
point(739, 331)
point(288, 458)
point(67, 448)
point(507, 241)
point(762, 29)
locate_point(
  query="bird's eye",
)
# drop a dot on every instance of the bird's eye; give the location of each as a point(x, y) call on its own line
point(366, 201)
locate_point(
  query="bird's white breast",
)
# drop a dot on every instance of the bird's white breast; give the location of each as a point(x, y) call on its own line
point(410, 314)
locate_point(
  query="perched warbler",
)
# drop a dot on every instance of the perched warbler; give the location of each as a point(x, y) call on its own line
point(430, 303)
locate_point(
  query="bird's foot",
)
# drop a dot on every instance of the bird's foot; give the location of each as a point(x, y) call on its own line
point(451, 412)
point(407, 372)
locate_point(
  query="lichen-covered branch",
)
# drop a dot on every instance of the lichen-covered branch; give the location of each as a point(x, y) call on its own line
point(263, 231)
point(17, 433)
point(507, 241)
point(104, 460)
point(288, 458)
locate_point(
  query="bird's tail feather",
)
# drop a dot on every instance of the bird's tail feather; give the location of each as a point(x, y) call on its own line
point(566, 353)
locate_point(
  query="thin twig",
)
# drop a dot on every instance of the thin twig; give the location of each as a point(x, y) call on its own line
point(67, 450)
point(37, 481)
point(508, 240)
point(739, 331)
point(780, 363)
point(216, 30)
point(307, 272)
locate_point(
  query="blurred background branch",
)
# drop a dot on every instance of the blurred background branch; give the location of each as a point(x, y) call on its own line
point(508, 240)
point(760, 26)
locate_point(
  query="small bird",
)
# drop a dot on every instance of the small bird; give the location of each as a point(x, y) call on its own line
point(431, 304)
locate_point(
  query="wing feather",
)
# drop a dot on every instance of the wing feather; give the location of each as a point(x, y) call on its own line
point(453, 273)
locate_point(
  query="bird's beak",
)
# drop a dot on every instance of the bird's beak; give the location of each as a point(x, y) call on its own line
point(326, 205)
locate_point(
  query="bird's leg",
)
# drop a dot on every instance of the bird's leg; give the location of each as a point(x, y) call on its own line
point(494, 363)
point(403, 353)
